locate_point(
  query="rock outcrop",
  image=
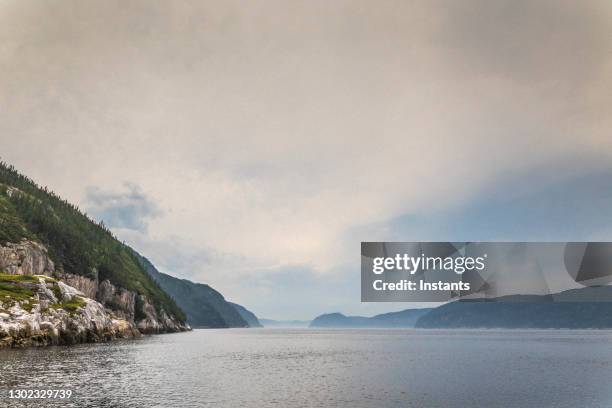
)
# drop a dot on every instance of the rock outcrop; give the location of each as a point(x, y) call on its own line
point(88, 286)
point(41, 306)
point(25, 258)
point(121, 300)
point(154, 322)
point(54, 313)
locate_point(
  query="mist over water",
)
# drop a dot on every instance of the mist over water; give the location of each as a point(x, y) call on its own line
point(337, 368)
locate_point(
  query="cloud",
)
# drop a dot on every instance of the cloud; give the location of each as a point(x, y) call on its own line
point(536, 42)
point(273, 136)
point(128, 209)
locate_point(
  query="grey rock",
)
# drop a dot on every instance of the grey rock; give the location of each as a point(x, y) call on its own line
point(38, 326)
point(25, 258)
point(105, 312)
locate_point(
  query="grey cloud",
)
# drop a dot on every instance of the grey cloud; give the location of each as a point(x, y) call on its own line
point(269, 130)
point(296, 291)
point(127, 209)
point(560, 40)
point(173, 255)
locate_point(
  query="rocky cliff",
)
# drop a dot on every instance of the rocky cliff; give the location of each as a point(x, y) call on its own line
point(36, 310)
point(42, 306)
point(25, 258)
point(41, 234)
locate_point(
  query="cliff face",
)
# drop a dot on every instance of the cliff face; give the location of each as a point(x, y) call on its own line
point(42, 234)
point(36, 310)
point(41, 306)
point(25, 258)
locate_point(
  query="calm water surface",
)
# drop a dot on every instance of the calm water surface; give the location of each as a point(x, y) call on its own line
point(330, 368)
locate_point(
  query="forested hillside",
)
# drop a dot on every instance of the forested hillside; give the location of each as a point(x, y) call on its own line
point(203, 305)
point(76, 244)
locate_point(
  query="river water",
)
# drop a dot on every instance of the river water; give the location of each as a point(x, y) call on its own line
point(326, 368)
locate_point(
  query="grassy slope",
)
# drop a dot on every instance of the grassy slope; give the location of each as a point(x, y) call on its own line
point(76, 244)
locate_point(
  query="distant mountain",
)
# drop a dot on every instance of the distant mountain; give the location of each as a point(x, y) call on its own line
point(284, 323)
point(402, 319)
point(338, 320)
point(247, 315)
point(572, 309)
point(204, 306)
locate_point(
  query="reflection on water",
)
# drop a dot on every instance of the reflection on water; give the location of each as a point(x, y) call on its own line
point(337, 368)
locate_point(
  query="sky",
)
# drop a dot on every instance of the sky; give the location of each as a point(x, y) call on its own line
point(253, 146)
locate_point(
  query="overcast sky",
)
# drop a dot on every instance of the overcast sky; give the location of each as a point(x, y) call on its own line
point(253, 145)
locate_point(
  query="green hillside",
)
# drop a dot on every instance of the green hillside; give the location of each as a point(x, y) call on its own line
point(203, 305)
point(76, 244)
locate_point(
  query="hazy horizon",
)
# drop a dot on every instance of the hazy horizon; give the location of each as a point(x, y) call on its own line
point(253, 147)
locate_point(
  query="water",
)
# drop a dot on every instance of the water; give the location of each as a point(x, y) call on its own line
point(330, 368)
